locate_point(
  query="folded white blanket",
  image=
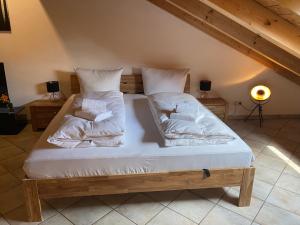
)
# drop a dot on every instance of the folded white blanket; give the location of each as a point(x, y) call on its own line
point(94, 106)
point(186, 116)
point(78, 132)
point(206, 130)
point(97, 117)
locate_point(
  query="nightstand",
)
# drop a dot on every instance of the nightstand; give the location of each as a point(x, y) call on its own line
point(217, 105)
point(42, 112)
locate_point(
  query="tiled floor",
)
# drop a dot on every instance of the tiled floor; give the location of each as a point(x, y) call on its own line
point(276, 193)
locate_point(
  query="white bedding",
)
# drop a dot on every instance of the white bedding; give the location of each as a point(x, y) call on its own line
point(75, 132)
point(143, 151)
point(206, 129)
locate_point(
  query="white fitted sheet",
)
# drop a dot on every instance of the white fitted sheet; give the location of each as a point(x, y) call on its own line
point(143, 151)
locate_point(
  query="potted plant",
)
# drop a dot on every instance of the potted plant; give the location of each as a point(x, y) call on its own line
point(5, 100)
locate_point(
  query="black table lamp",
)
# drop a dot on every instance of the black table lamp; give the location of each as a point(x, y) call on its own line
point(205, 86)
point(52, 87)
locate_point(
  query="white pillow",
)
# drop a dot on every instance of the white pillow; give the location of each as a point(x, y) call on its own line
point(157, 80)
point(99, 80)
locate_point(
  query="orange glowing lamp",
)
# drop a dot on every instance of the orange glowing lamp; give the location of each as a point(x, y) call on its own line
point(260, 93)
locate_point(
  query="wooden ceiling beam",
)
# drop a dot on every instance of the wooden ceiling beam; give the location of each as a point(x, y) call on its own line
point(262, 21)
point(233, 34)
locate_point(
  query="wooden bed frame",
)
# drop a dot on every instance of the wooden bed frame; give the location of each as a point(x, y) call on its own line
point(37, 189)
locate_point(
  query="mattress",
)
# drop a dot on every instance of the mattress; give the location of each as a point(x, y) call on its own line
point(143, 151)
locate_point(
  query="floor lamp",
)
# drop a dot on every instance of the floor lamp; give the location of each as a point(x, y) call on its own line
point(259, 95)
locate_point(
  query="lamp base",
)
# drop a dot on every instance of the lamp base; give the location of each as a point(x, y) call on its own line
point(260, 114)
point(54, 96)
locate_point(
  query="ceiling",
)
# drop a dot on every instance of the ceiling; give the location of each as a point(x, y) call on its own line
point(287, 9)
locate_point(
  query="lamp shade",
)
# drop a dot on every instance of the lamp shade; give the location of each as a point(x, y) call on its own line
point(52, 86)
point(205, 85)
point(260, 93)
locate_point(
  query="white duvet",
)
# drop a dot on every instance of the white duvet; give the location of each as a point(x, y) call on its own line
point(77, 132)
point(207, 130)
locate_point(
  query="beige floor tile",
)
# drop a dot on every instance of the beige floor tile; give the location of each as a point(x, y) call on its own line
point(11, 199)
point(242, 131)
point(241, 128)
point(3, 221)
point(270, 162)
point(289, 182)
point(14, 163)
point(18, 216)
point(256, 147)
point(260, 190)
point(266, 174)
point(291, 170)
point(211, 194)
point(271, 215)
point(220, 215)
point(293, 167)
point(164, 197)
point(230, 201)
point(61, 203)
point(7, 181)
point(114, 200)
point(293, 123)
point(169, 217)
point(292, 134)
point(140, 209)
point(56, 220)
point(192, 206)
point(114, 218)
point(86, 211)
point(285, 200)
point(275, 124)
point(296, 156)
point(284, 143)
point(277, 152)
point(262, 135)
point(9, 152)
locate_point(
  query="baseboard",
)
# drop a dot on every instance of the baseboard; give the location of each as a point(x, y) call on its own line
point(255, 117)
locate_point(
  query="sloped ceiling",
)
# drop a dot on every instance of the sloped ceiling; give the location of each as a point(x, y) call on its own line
point(246, 26)
point(287, 9)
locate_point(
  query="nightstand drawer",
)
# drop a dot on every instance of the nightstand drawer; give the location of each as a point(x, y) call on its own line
point(42, 112)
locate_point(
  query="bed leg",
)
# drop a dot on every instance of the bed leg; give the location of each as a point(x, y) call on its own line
point(32, 201)
point(246, 187)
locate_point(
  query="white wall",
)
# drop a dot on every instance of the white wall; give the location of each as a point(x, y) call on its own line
point(50, 37)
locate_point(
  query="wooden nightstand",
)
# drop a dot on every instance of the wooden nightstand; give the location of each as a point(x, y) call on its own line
point(42, 112)
point(217, 105)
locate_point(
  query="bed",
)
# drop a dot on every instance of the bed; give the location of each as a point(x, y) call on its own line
point(141, 165)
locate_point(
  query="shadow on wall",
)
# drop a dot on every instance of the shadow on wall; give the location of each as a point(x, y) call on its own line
point(64, 78)
point(244, 86)
point(110, 33)
point(64, 84)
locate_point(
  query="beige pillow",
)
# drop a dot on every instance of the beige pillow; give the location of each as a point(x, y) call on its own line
point(158, 80)
point(99, 80)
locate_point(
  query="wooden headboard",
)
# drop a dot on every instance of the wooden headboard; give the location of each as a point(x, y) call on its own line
point(130, 84)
